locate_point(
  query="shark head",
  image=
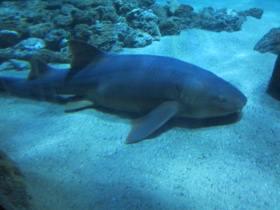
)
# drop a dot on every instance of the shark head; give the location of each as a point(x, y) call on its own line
point(210, 96)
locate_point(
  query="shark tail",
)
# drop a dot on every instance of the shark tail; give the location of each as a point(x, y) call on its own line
point(5, 82)
point(13, 84)
point(34, 86)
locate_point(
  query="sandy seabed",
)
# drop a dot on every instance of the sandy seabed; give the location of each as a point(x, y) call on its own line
point(79, 160)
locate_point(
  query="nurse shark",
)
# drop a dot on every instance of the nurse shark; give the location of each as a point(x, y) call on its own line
point(156, 87)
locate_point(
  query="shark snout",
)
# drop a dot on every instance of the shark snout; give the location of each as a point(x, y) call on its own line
point(242, 101)
point(238, 102)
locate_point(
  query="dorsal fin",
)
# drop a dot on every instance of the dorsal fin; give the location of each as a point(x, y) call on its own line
point(39, 69)
point(82, 55)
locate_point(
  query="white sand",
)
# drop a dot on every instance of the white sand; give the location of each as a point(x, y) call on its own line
point(79, 161)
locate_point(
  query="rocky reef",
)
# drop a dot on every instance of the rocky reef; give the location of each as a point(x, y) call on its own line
point(108, 24)
point(270, 42)
point(13, 193)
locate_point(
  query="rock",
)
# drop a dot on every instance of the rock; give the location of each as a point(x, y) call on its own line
point(97, 3)
point(8, 38)
point(126, 6)
point(40, 30)
point(146, 3)
point(14, 64)
point(67, 9)
point(270, 42)
point(49, 56)
point(104, 35)
point(6, 66)
point(117, 4)
point(36, 13)
point(274, 84)
point(31, 47)
point(53, 5)
point(187, 17)
point(6, 54)
point(108, 23)
point(82, 32)
point(134, 14)
point(45, 55)
point(170, 27)
point(19, 65)
point(148, 15)
point(253, 12)
point(152, 29)
point(123, 30)
point(54, 38)
point(221, 20)
point(92, 14)
point(107, 13)
point(80, 17)
point(63, 20)
point(30, 44)
point(144, 20)
point(184, 11)
point(138, 39)
point(172, 6)
point(166, 24)
point(159, 11)
point(13, 189)
point(12, 21)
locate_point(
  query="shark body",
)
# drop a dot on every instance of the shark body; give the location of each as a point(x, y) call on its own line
point(158, 87)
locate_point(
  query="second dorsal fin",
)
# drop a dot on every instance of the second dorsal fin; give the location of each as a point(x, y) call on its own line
point(39, 69)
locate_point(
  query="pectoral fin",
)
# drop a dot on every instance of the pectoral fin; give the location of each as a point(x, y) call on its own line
point(146, 125)
point(78, 105)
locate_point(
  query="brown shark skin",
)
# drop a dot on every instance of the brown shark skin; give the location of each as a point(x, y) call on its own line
point(162, 86)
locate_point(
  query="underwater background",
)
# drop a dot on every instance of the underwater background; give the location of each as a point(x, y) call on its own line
point(57, 160)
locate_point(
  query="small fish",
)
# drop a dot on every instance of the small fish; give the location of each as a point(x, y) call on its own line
point(158, 87)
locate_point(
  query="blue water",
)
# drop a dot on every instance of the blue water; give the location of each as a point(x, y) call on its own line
point(79, 160)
